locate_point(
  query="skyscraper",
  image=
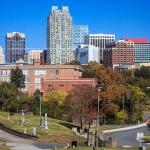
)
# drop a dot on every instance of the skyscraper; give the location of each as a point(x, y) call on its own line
point(59, 36)
point(15, 46)
point(79, 32)
point(100, 40)
point(1, 55)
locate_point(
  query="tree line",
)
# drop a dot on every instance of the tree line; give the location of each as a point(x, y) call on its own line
point(123, 98)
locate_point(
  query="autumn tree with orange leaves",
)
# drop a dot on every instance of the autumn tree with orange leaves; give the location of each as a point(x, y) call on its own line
point(79, 102)
point(112, 89)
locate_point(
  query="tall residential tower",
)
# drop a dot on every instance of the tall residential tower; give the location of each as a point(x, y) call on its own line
point(15, 46)
point(59, 36)
point(1, 55)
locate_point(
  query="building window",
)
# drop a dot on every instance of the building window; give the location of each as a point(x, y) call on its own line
point(37, 87)
point(40, 72)
point(25, 72)
point(57, 73)
point(37, 80)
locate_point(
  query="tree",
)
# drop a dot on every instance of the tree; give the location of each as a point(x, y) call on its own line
point(74, 62)
point(122, 117)
point(79, 102)
point(112, 91)
point(10, 98)
point(136, 104)
point(55, 96)
point(17, 77)
point(143, 72)
point(90, 70)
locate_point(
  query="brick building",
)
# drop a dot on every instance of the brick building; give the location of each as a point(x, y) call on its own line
point(119, 53)
point(42, 77)
point(65, 84)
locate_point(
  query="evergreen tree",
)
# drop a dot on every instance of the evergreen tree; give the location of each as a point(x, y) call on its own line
point(18, 78)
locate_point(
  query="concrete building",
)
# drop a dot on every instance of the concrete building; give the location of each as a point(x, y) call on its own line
point(46, 77)
point(59, 36)
point(119, 54)
point(1, 55)
point(79, 32)
point(33, 55)
point(99, 40)
point(15, 46)
point(87, 53)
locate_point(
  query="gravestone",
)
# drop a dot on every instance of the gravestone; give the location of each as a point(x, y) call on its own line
point(46, 123)
point(34, 131)
point(42, 122)
point(25, 131)
point(22, 120)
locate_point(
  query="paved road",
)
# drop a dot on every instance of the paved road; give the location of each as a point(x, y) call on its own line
point(22, 144)
point(128, 137)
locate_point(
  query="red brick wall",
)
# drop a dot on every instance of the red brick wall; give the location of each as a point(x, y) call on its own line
point(65, 85)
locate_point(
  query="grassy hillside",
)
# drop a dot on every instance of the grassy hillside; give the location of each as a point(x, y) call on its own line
point(59, 131)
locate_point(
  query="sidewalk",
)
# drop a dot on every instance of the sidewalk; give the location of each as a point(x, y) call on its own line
point(125, 128)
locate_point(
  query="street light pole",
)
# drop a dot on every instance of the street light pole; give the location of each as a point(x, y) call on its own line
point(40, 110)
point(98, 111)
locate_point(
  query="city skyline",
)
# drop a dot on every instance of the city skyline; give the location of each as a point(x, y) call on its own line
point(125, 20)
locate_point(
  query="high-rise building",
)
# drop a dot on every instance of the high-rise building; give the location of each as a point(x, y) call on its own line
point(87, 53)
point(118, 54)
point(59, 36)
point(79, 32)
point(99, 40)
point(1, 55)
point(141, 50)
point(15, 46)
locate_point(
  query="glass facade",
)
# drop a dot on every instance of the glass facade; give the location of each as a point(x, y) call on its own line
point(79, 32)
point(142, 52)
point(15, 46)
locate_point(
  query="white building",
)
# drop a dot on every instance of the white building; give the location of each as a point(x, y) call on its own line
point(87, 53)
point(59, 36)
point(99, 40)
point(79, 32)
point(1, 56)
point(34, 54)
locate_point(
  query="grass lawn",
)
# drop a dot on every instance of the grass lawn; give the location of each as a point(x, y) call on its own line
point(58, 130)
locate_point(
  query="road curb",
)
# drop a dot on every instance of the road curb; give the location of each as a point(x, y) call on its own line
point(125, 129)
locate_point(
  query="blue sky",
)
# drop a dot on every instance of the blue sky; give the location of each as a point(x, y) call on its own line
point(128, 18)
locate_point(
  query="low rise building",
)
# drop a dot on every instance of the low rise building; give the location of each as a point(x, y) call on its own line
point(41, 77)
